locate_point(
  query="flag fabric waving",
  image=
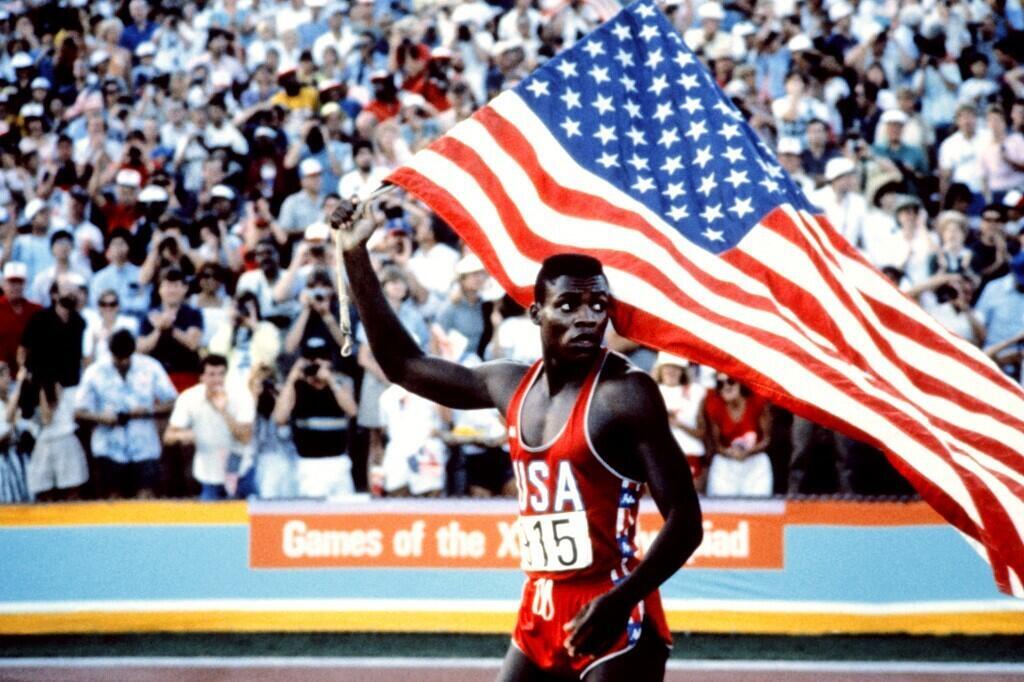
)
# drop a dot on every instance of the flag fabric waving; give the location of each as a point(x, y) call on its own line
point(624, 148)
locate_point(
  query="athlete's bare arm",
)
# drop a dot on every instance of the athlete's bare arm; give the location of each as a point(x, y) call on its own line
point(629, 426)
point(448, 383)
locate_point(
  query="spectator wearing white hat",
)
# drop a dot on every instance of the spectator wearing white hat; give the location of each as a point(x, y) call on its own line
point(892, 147)
point(119, 208)
point(311, 254)
point(464, 310)
point(15, 312)
point(684, 400)
point(840, 40)
point(33, 247)
point(302, 209)
point(841, 200)
point(789, 153)
point(709, 38)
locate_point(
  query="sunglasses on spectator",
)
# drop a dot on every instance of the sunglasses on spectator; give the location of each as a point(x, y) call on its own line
point(108, 303)
point(722, 383)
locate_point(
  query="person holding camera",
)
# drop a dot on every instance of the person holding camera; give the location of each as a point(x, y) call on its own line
point(172, 331)
point(318, 404)
point(318, 317)
point(248, 341)
point(121, 395)
point(217, 419)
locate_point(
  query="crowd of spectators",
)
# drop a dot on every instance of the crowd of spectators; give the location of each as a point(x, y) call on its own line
point(169, 322)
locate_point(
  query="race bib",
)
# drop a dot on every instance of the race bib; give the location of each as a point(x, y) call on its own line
point(555, 542)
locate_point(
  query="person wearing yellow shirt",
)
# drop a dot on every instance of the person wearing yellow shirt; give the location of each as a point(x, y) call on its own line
point(295, 95)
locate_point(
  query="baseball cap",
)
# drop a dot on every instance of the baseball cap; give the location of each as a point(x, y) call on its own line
point(153, 194)
point(40, 83)
point(669, 359)
point(380, 75)
point(317, 231)
point(31, 110)
point(315, 348)
point(33, 208)
point(893, 116)
point(799, 43)
point(906, 201)
point(128, 177)
point(838, 167)
point(1013, 198)
point(265, 131)
point(839, 11)
point(146, 49)
point(15, 270)
point(222, 192)
point(711, 10)
point(98, 57)
point(330, 108)
point(21, 60)
point(468, 264)
point(789, 145)
point(310, 167)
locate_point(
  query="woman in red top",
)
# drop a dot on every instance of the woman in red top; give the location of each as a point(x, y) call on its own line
point(740, 425)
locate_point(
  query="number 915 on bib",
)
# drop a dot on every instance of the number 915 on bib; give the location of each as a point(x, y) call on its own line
point(555, 542)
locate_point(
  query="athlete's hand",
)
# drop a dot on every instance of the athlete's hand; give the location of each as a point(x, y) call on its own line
point(355, 222)
point(598, 624)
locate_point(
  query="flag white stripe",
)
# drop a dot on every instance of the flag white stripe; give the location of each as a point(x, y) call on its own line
point(872, 284)
point(593, 234)
point(795, 265)
point(797, 380)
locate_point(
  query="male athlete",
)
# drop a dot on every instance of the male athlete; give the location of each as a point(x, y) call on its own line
point(587, 431)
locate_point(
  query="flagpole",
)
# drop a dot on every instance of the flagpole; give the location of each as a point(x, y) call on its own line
point(345, 320)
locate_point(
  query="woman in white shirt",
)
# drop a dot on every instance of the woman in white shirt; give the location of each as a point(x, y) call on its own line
point(684, 400)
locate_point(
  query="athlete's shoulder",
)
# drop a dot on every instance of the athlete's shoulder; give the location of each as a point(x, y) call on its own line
point(625, 389)
point(502, 377)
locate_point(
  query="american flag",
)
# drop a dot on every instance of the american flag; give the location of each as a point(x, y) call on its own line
point(624, 148)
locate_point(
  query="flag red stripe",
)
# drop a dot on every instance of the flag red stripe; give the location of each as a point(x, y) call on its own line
point(536, 248)
point(462, 221)
point(591, 207)
point(797, 299)
point(682, 342)
point(900, 323)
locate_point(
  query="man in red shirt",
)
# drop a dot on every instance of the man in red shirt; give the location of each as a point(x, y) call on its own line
point(15, 311)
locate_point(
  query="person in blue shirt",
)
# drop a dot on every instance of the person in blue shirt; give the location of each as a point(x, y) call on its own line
point(122, 277)
point(141, 29)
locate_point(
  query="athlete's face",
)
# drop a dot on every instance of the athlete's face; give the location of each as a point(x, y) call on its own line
point(573, 317)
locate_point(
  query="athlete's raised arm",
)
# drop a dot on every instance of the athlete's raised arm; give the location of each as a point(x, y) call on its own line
point(402, 360)
point(634, 424)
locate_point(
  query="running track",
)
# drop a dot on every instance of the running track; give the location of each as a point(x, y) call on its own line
point(469, 670)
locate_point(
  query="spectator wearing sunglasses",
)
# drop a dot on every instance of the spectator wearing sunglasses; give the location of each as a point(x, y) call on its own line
point(101, 323)
point(740, 426)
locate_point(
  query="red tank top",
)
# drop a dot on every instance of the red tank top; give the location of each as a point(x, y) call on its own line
point(577, 516)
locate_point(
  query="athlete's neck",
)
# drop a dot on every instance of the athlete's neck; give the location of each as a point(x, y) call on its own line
point(560, 372)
